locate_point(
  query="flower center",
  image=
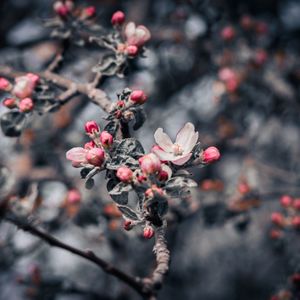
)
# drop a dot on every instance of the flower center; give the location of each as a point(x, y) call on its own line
point(177, 149)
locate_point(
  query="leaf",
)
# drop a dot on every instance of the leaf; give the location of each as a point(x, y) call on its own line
point(139, 118)
point(89, 184)
point(179, 186)
point(119, 191)
point(122, 160)
point(112, 127)
point(158, 205)
point(132, 146)
point(12, 123)
point(128, 212)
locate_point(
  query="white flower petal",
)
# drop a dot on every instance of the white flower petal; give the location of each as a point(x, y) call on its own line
point(129, 30)
point(77, 154)
point(187, 137)
point(163, 140)
point(182, 160)
point(167, 169)
point(164, 155)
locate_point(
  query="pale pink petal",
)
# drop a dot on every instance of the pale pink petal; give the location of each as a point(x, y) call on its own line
point(163, 140)
point(167, 169)
point(129, 30)
point(164, 155)
point(182, 160)
point(142, 35)
point(187, 137)
point(77, 154)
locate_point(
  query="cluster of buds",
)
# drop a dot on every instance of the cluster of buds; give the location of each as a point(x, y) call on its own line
point(289, 218)
point(122, 107)
point(292, 289)
point(65, 9)
point(93, 154)
point(135, 37)
point(20, 92)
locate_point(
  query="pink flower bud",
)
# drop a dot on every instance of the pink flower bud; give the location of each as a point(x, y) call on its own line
point(226, 74)
point(120, 104)
point(228, 33)
point(132, 50)
point(5, 85)
point(90, 11)
point(26, 105)
point(148, 232)
point(24, 87)
point(91, 127)
point(118, 18)
point(232, 85)
point(73, 196)
point(286, 201)
point(124, 174)
point(106, 139)
point(95, 156)
point(89, 145)
point(127, 225)
point(138, 97)
point(244, 188)
point(78, 156)
point(296, 203)
point(9, 102)
point(210, 155)
point(150, 163)
point(149, 193)
point(163, 175)
point(277, 219)
point(60, 8)
point(69, 4)
point(296, 222)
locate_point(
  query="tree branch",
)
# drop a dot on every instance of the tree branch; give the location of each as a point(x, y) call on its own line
point(96, 95)
point(134, 282)
point(156, 279)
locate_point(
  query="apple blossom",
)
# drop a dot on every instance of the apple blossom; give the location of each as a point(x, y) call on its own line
point(286, 201)
point(277, 218)
point(90, 11)
point(179, 152)
point(25, 85)
point(136, 35)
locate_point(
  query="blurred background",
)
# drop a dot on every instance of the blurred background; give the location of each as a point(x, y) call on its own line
point(230, 67)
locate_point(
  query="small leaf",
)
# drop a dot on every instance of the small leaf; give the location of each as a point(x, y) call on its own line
point(132, 146)
point(139, 118)
point(179, 186)
point(122, 160)
point(89, 183)
point(12, 123)
point(119, 191)
point(128, 212)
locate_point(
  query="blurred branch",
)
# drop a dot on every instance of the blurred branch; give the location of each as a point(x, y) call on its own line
point(96, 95)
point(134, 282)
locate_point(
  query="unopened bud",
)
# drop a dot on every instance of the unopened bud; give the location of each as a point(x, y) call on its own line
point(73, 196)
point(286, 201)
point(26, 105)
point(5, 85)
point(9, 102)
point(118, 18)
point(148, 232)
point(124, 174)
point(138, 97)
point(150, 163)
point(91, 127)
point(106, 139)
point(277, 219)
point(95, 156)
point(210, 155)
